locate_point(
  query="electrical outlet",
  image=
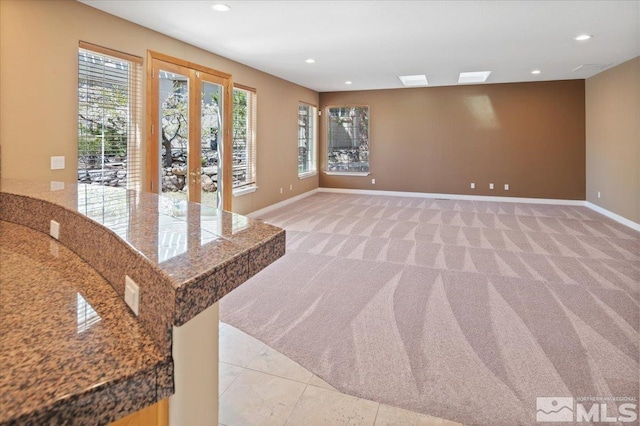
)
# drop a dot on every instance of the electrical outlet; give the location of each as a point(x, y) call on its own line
point(281, 190)
point(490, 186)
point(57, 163)
point(290, 187)
point(373, 181)
point(473, 185)
point(131, 294)
point(598, 194)
point(506, 186)
point(54, 229)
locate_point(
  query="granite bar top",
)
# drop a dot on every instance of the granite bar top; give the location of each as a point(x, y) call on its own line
point(187, 245)
point(184, 257)
point(71, 350)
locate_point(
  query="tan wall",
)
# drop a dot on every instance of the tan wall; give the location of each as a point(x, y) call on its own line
point(38, 93)
point(613, 139)
point(439, 140)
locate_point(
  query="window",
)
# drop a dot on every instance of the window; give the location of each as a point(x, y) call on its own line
point(307, 138)
point(244, 138)
point(109, 95)
point(348, 140)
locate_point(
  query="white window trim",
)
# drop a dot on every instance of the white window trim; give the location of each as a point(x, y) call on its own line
point(347, 173)
point(308, 174)
point(245, 190)
point(316, 143)
point(252, 122)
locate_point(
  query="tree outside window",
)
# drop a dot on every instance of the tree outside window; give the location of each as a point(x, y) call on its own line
point(348, 139)
point(108, 116)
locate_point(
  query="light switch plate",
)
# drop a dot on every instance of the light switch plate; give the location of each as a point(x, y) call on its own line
point(54, 229)
point(131, 294)
point(57, 163)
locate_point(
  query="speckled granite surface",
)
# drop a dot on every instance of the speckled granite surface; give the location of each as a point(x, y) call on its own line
point(164, 244)
point(184, 256)
point(71, 350)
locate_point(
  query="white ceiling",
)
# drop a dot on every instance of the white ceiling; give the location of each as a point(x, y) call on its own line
point(371, 43)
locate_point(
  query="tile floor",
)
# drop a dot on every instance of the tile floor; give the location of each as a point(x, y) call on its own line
point(260, 386)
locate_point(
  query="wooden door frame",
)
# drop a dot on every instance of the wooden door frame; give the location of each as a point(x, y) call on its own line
point(151, 182)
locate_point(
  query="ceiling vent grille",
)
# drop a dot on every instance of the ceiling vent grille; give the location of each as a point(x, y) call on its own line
point(591, 67)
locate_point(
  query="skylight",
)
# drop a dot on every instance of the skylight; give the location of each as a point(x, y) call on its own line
point(414, 80)
point(473, 77)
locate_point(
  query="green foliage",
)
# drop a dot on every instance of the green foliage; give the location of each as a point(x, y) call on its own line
point(102, 121)
point(239, 119)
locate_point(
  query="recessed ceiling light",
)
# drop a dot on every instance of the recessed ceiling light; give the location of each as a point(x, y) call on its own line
point(219, 7)
point(414, 80)
point(582, 37)
point(310, 61)
point(536, 72)
point(473, 77)
point(348, 82)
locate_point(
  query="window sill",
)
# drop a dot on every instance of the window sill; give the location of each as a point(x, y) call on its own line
point(244, 191)
point(307, 175)
point(347, 173)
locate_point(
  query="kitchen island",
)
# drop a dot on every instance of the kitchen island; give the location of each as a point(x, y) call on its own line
point(184, 258)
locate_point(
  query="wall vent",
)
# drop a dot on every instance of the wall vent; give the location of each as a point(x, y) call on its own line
point(591, 67)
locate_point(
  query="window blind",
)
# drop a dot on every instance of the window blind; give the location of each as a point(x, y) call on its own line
point(244, 136)
point(109, 117)
point(307, 139)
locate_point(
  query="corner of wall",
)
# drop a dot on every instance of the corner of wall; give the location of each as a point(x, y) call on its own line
point(612, 108)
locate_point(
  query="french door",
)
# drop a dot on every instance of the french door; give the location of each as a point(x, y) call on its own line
point(189, 149)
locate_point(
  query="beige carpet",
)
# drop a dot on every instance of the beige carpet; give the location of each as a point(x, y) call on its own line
point(458, 309)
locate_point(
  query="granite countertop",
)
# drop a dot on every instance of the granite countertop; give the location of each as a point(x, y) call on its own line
point(66, 338)
point(184, 256)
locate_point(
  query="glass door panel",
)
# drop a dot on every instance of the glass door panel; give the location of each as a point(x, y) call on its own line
point(212, 96)
point(187, 154)
point(173, 134)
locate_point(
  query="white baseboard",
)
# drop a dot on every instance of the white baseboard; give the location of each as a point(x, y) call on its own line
point(281, 204)
point(455, 196)
point(624, 221)
point(611, 215)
